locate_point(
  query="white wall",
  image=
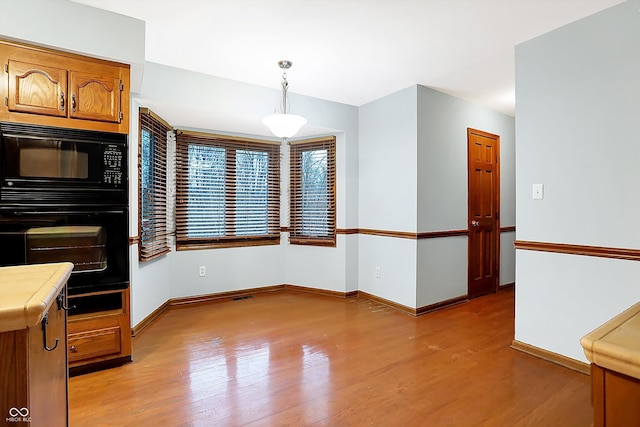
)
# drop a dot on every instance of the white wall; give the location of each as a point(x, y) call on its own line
point(378, 171)
point(387, 189)
point(189, 100)
point(152, 278)
point(560, 298)
point(227, 270)
point(578, 98)
point(396, 258)
point(442, 200)
point(442, 269)
point(442, 159)
point(76, 28)
point(194, 101)
point(387, 159)
point(413, 178)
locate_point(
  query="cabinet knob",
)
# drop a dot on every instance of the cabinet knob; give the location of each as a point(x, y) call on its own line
point(73, 349)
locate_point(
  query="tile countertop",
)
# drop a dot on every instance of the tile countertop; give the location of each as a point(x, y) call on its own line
point(27, 292)
point(616, 344)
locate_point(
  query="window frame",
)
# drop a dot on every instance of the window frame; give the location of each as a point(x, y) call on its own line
point(233, 143)
point(153, 234)
point(296, 232)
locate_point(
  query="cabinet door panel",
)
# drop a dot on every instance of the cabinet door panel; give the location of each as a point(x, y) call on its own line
point(48, 371)
point(37, 89)
point(94, 97)
point(91, 344)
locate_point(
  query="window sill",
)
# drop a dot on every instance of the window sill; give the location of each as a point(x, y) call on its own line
point(189, 246)
point(313, 242)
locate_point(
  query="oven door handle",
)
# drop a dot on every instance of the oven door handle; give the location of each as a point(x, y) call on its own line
point(93, 212)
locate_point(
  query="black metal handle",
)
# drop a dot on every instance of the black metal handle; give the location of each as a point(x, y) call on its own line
point(62, 101)
point(61, 305)
point(73, 102)
point(45, 322)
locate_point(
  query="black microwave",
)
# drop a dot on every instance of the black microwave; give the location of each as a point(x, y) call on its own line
point(50, 166)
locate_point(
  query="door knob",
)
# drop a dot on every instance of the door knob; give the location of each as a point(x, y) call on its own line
point(475, 223)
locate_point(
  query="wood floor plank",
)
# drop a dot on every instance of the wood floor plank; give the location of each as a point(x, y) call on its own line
point(299, 359)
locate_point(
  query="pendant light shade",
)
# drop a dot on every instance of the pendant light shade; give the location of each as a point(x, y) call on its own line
point(282, 124)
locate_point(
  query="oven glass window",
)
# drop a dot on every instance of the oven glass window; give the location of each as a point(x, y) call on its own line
point(84, 246)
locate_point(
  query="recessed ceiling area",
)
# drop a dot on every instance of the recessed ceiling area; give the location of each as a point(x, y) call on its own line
point(353, 51)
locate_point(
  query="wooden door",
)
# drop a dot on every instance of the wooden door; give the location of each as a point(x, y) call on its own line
point(484, 215)
point(95, 96)
point(37, 89)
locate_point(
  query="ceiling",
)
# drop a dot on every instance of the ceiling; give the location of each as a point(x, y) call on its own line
point(353, 51)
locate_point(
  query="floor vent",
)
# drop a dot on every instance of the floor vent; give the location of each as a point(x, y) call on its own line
point(243, 297)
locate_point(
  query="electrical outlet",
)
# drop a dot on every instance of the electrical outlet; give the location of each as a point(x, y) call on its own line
point(377, 272)
point(202, 271)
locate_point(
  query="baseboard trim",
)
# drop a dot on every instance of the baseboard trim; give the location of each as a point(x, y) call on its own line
point(316, 291)
point(392, 304)
point(507, 286)
point(144, 323)
point(414, 311)
point(222, 296)
point(225, 296)
point(549, 356)
point(440, 305)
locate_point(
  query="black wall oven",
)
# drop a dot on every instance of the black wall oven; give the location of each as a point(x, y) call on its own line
point(63, 197)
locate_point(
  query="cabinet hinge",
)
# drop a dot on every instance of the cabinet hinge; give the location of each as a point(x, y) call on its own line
point(121, 116)
point(6, 68)
point(6, 101)
point(121, 86)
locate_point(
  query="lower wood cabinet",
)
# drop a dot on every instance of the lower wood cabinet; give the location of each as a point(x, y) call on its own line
point(33, 373)
point(94, 343)
point(99, 330)
point(615, 398)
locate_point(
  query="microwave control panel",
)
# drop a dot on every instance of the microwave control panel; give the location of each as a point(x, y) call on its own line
point(113, 165)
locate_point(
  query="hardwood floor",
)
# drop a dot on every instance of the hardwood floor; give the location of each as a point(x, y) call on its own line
point(289, 358)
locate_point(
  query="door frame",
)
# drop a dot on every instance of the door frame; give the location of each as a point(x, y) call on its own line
point(496, 193)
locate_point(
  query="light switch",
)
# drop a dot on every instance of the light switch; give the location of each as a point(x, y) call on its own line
point(538, 191)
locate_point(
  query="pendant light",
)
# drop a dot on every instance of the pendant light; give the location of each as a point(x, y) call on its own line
point(282, 124)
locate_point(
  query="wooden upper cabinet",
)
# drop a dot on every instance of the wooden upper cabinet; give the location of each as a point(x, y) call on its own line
point(37, 89)
point(95, 96)
point(43, 86)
